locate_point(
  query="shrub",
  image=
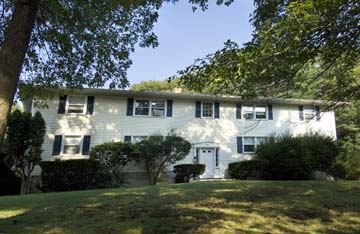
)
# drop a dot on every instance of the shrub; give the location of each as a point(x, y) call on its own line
point(9, 183)
point(158, 151)
point(25, 136)
point(68, 175)
point(338, 171)
point(248, 169)
point(184, 172)
point(295, 157)
point(113, 157)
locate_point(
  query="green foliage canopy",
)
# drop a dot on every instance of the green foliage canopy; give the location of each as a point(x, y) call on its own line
point(289, 37)
point(113, 157)
point(158, 151)
point(25, 136)
point(295, 157)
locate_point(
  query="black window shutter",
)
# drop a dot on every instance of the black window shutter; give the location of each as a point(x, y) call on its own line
point(301, 113)
point(127, 138)
point(169, 108)
point(86, 145)
point(90, 105)
point(238, 110)
point(217, 110)
point(57, 145)
point(62, 104)
point(130, 107)
point(317, 111)
point(270, 112)
point(198, 109)
point(239, 145)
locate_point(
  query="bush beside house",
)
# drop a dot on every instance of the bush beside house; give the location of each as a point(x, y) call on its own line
point(105, 168)
point(113, 157)
point(249, 169)
point(185, 172)
point(69, 175)
point(157, 152)
point(288, 157)
point(23, 141)
point(10, 183)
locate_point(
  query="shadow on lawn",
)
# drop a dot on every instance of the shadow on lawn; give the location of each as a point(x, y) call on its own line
point(263, 207)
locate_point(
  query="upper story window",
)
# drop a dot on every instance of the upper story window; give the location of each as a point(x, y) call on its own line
point(76, 104)
point(207, 110)
point(158, 108)
point(142, 107)
point(72, 145)
point(309, 112)
point(154, 108)
point(254, 112)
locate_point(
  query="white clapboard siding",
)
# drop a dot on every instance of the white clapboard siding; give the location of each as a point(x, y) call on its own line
point(110, 123)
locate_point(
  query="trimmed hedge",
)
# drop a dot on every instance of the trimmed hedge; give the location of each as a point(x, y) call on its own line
point(10, 184)
point(296, 157)
point(249, 169)
point(184, 172)
point(69, 175)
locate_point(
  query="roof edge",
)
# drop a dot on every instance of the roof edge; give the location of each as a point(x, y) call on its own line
point(191, 96)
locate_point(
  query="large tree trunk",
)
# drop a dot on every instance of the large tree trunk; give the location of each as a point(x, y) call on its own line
point(12, 54)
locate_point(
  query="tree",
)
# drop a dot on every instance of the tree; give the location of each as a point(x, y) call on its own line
point(158, 151)
point(72, 43)
point(289, 37)
point(157, 85)
point(348, 132)
point(17, 138)
point(25, 137)
point(113, 157)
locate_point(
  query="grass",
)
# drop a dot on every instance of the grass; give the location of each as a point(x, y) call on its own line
point(205, 207)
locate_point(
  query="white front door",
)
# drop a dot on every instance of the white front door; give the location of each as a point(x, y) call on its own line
point(207, 157)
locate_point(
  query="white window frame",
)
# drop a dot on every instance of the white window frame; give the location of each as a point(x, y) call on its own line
point(68, 104)
point(256, 143)
point(213, 110)
point(254, 112)
point(313, 113)
point(63, 145)
point(150, 107)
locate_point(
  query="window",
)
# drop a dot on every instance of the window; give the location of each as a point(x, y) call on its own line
point(207, 109)
point(76, 105)
point(72, 145)
point(309, 113)
point(260, 112)
point(249, 144)
point(155, 108)
point(139, 138)
point(142, 107)
point(248, 112)
point(260, 140)
point(254, 112)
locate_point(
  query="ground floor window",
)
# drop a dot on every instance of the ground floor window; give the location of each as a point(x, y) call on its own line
point(139, 138)
point(251, 143)
point(72, 145)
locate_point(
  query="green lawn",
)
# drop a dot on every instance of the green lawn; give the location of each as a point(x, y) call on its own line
point(204, 207)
